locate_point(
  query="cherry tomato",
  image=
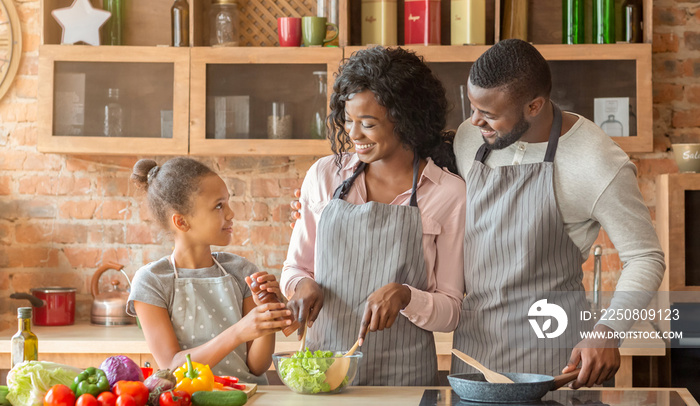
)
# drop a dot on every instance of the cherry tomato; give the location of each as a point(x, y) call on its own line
point(86, 399)
point(59, 395)
point(125, 400)
point(107, 399)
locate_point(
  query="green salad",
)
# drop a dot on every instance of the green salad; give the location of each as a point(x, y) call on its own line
point(305, 371)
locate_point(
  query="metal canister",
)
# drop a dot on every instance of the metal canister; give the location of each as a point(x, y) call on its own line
point(379, 22)
point(422, 22)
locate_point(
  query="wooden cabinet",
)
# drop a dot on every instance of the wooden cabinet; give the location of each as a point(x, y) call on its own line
point(678, 226)
point(248, 81)
point(192, 84)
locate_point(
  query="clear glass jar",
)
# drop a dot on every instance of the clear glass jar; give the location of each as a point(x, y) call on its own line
point(320, 105)
point(114, 115)
point(223, 23)
point(279, 121)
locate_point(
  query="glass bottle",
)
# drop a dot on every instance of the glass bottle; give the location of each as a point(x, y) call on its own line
point(633, 21)
point(320, 105)
point(112, 30)
point(114, 115)
point(612, 127)
point(603, 21)
point(515, 20)
point(180, 18)
point(25, 345)
point(279, 121)
point(573, 31)
point(223, 23)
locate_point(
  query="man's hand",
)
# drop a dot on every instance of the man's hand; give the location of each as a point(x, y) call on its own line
point(306, 303)
point(382, 308)
point(599, 359)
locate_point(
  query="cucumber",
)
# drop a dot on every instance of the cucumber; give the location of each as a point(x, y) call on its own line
point(219, 398)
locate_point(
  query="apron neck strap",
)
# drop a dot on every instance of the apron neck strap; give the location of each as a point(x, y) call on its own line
point(342, 190)
point(221, 268)
point(483, 152)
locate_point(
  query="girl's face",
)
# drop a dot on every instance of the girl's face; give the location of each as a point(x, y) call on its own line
point(368, 125)
point(211, 218)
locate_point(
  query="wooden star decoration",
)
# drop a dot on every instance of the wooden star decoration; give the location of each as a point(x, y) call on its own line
point(81, 22)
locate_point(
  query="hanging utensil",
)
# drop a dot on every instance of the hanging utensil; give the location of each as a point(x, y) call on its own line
point(491, 376)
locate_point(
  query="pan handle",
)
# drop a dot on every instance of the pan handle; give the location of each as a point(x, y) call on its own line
point(561, 380)
point(35, 301)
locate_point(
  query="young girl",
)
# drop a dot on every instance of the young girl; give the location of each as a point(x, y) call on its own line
point(195, 301)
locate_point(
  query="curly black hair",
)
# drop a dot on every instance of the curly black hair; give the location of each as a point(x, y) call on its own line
point(170, 187)
point(404, 85)
point(515, 65)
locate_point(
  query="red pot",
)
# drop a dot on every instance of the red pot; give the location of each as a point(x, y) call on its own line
point(53, 306)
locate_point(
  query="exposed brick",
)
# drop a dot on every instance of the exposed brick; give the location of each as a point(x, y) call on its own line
point(18, 112)
point(113, 210)
point(30, 42)
point(50, 185)
point(81, 209)
point(665, 42)
point(686, 118)
point(34, 233)
point(37, 208)
point(269, 235)
point(107, 234)
point(274, 258)
point(24, 135)
point(119, 255)
point(28, 257)
point(241, 235)
point(670, 16)
point(82, 257)
point(691, 40)
point(5, 235)
point(250, 211)
point(265, 188)
point(692, 93)
point(28, 65)
point(11, 160)
point(667, 92)
point(25, 87)
point(139, 234)
point(282, 212)
point(236, 187)
point(112, 186)
point(22, 281)
point(5, 187)
point(650, 168)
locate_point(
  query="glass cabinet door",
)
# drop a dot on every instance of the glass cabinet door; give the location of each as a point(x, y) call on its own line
point(114, 100)
point(255, 101)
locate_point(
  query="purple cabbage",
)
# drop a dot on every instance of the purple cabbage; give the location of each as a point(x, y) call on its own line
point(121, 368)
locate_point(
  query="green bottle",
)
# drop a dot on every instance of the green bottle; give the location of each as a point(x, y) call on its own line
point(573, 28)
point(112, 30)
point(24, 344)
point(603, 21)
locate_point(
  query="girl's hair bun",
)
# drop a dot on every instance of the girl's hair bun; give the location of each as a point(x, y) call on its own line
point(144, 171)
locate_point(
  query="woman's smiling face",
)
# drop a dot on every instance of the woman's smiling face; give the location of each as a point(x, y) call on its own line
point(370, 128)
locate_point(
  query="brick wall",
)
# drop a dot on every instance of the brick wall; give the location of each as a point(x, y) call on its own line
point(61, 216)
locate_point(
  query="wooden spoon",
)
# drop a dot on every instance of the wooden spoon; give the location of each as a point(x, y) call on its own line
point(303, 339)
point(339, 368)
point(491, 376)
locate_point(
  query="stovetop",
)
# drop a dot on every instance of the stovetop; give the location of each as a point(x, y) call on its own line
point(447, 397)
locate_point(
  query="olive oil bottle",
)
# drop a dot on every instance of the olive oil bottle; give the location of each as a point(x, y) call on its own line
point(25, 345)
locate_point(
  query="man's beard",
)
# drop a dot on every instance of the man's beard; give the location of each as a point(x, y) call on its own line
point(514, 135)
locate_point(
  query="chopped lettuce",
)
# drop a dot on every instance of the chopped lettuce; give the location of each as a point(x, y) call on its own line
point(30, 380)
point(305, 371)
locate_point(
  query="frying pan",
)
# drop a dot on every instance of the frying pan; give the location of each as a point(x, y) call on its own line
point(525, 387)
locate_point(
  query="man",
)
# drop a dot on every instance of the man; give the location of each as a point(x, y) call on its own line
point(540, 184)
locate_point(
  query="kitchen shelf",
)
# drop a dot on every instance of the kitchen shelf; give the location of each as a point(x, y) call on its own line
point(261, 76)
point(153, 84)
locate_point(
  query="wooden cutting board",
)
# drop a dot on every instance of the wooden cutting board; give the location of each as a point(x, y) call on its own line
point(250, 389)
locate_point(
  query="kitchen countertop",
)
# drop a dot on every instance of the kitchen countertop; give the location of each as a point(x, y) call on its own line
point(403, 396)
point(84, 344)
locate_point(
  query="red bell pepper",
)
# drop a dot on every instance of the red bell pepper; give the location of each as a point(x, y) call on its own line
point(229, 382)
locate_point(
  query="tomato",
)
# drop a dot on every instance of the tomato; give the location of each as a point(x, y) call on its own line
point(107, 399)
point(86, 399)
point(125, 400)
point(59, 395)
point(135, 389)
point(175, 398)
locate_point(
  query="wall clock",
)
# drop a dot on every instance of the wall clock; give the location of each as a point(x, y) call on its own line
point(10, 44)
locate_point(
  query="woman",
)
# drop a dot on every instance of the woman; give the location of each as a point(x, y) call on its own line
point(379, 243)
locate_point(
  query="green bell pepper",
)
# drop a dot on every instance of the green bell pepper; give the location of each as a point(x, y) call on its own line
point(92, 380)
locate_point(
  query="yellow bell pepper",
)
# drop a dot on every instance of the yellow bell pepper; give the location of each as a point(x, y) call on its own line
point(193, 377)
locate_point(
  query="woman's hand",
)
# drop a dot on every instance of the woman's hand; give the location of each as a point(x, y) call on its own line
point(263, 320)
point(382, 308)
point(306, 302)
point(266, 282)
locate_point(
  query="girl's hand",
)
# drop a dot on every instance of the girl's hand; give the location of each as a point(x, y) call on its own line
point(263, 320)
point(266, 282)
point(382, 308)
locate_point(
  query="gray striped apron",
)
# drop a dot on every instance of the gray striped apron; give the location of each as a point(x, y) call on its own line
point(516, 253)
point(359, 249)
